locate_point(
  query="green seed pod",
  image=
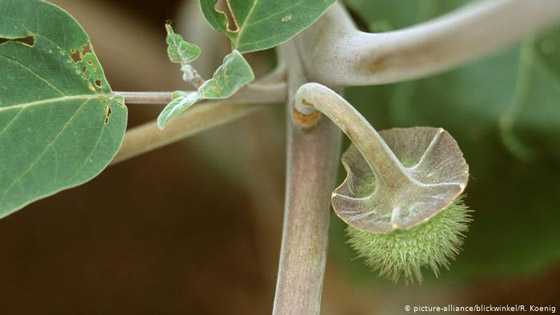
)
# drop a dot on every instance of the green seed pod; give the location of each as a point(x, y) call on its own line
point(402, 253)
point(434, 235)
point(401, 194)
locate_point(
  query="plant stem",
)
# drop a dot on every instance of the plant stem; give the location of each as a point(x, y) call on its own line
point(311, 172)
point(522, 88)
point(196, 80)
point(148, 137)
point(158, 98)
point(260, 87)
point(403, 197)
point(337, 54)
point(201, 117)
point(387, 168)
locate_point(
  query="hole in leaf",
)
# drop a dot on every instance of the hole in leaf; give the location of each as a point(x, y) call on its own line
point(76, 57)
point(108, 112)
point(29, 40)
point(287, 18)
point(223, 6)
point(98, 83)
point(86, 49)
point(84, 69)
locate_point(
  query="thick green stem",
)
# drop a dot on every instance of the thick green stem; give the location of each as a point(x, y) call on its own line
point(312, 167)
point(311, 172)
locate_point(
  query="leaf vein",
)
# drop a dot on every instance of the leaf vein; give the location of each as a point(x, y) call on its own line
point(47, 148)
point(277, 13)
point(34, 73)
point(8, 125)
point(244, 25)
point(48, 101)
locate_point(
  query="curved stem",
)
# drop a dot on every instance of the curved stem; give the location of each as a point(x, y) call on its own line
point(521, 93)
point(337, 54)
point(368, 141)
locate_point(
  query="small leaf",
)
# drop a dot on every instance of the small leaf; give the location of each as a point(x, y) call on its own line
point(233, 74)
point(263, 24)
point(60, 124)
point(183, 52)
point(180, 103)
point(179, 50)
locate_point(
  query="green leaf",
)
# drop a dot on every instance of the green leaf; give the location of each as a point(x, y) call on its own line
point(180, 103)
point(263, 24)
point(233, 74)
point(183, 52)
point(60, 124)
point(179, 50)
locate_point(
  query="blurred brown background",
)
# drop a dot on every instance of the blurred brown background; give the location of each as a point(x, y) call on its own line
point(136, 240)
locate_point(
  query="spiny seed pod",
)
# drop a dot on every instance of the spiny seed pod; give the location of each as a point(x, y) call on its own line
point(429, 241)
point(403, 253)
point(400, 195)
point(423, 172)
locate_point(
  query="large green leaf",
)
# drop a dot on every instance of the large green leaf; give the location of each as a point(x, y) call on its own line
point(263, 24)
point(59, 123)
point(514, 165)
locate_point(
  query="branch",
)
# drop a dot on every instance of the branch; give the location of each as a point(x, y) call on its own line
point(277, 76)
point(157, 98)
point(337, 54)
point(311, 172)
point(204, 116)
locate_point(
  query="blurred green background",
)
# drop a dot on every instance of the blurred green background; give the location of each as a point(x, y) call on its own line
point(136, 240)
